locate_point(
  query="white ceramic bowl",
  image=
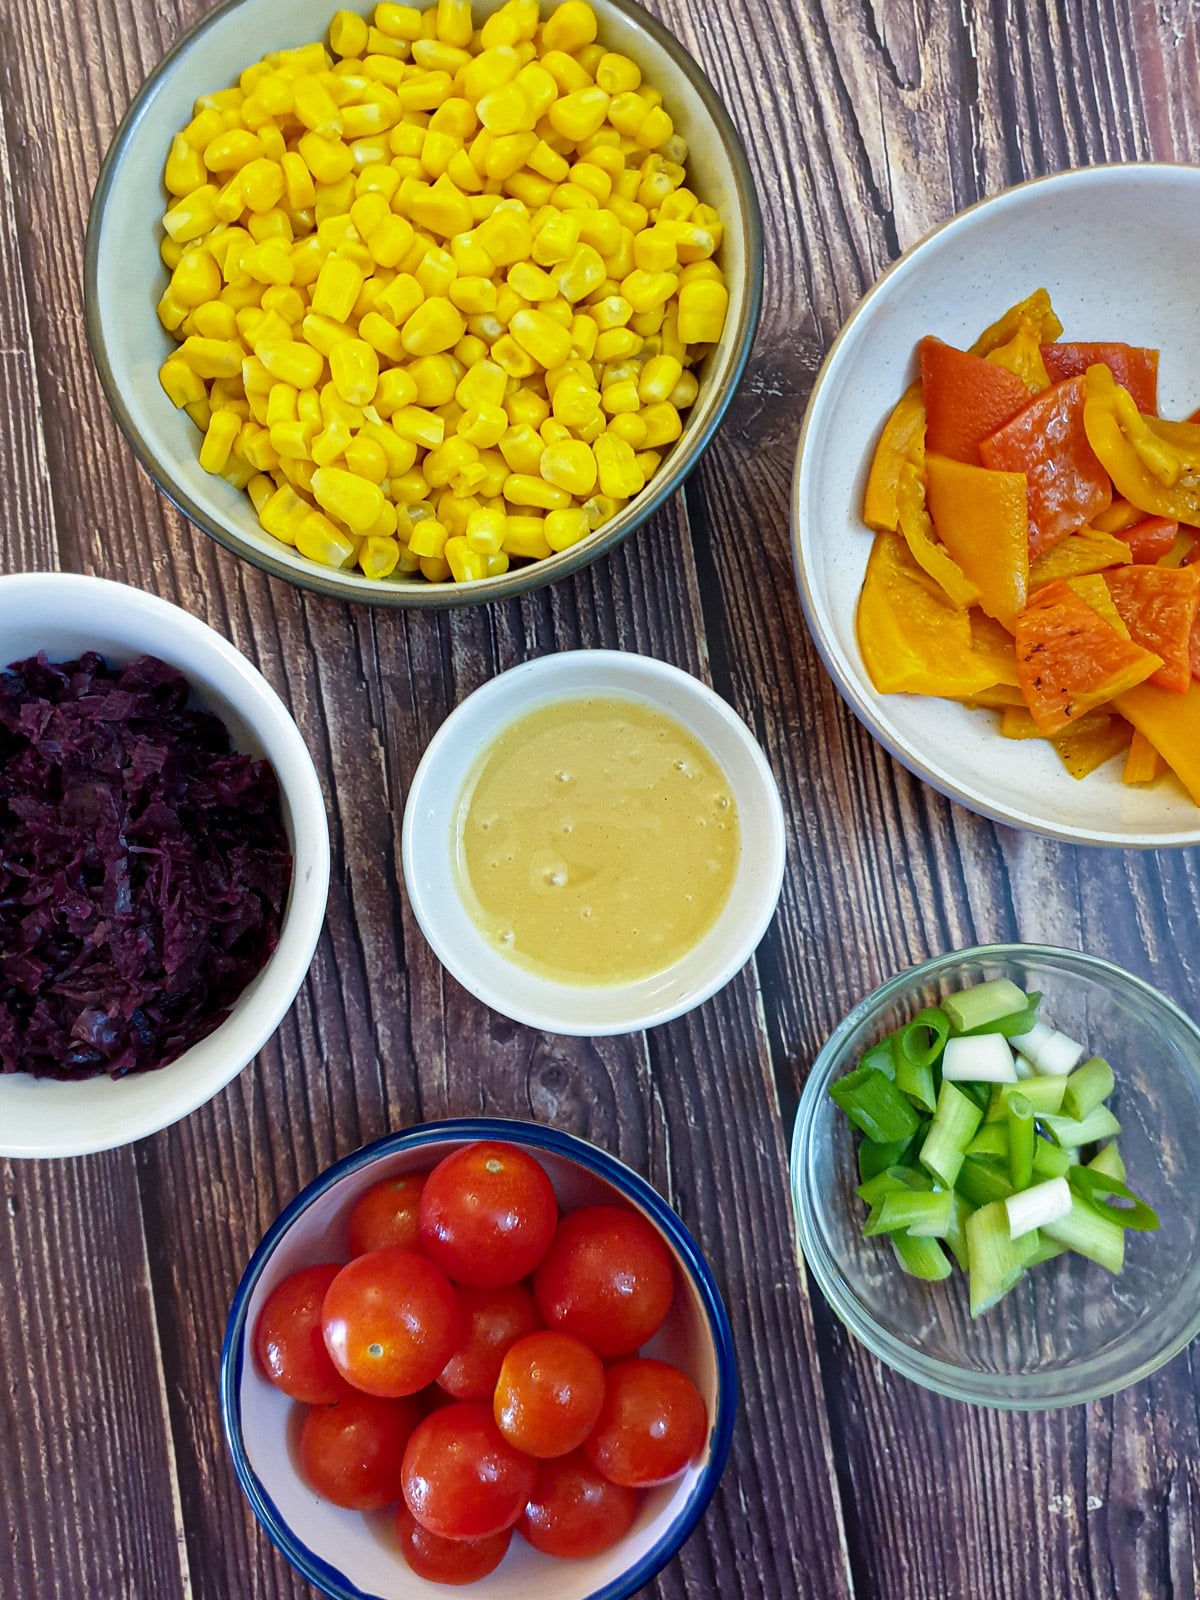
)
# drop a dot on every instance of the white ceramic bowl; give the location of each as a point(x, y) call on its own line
point(65, 614)
point(1112, 245)
point(428, 845)
point(352, 1557)
point(124, 278)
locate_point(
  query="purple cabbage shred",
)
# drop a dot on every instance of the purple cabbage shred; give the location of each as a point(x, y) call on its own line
point(144, 868)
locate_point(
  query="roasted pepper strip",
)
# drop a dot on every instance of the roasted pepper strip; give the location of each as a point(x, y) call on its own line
point(1022, 354)
point(1079, 553)
point(913, 639)
point(1085, 746)
point(1143, 763)
point(1047, 442)
point(1171, 722)
point(981, 518)
point(1154, 465)
point(1150, 539)
point(1132, 366)
point(917, 529)
point(1119, 516)
point(1071, 660)
point(901, 444)
point(1158, 605)
point(1036, 308)
point(966, 399)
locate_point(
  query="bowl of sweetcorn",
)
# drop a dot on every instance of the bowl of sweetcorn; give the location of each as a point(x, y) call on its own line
point(420, 305)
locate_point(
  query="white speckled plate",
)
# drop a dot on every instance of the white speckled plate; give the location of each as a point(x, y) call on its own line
point(1116, 247)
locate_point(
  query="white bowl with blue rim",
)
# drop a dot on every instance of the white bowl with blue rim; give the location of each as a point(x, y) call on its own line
point(349, 1556)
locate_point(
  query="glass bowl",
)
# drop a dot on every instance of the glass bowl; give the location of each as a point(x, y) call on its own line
point(1068, 1332)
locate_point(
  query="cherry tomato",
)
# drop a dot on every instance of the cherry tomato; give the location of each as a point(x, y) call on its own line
point(607, 1279)
point(462, 1478)
point(494, 1319)
point(352, 1452)
point(288, 1341)
point(487, 1215)
point(549, 1394)
point(651, 1424)
point(386, 1215)
point(391, 1321)
point(574, 1510)
point(448, 1560)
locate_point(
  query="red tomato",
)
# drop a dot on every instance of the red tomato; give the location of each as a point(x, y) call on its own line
point(391, 1321)
point(652, 1423)
point(549, 1394)
point(352, 1452)
point(494, 1320)
point(386, 1215)
point(462, 1478)
point(608, 1279)
point(574, 1510)
point(288, 1342)
point(487, 1214)
point(448, 1560)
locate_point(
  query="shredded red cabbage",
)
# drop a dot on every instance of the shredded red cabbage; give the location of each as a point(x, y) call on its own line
point(143, 868)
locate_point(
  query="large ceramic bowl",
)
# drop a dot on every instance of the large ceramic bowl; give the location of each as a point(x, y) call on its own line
point(124, 277)
point(430, 845)
point(352, 1557)
point(1068, 1332)
point(1084, 236)
point(65, 614)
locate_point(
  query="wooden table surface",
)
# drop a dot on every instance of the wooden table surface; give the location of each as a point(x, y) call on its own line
point(867, 122)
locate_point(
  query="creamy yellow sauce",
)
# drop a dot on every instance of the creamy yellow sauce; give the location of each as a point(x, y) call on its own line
point(596, 841)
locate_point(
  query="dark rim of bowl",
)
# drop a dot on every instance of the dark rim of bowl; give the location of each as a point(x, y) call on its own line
point(233, 1350)
point(866, 713)
point(441, 596)
point(1007, 1391)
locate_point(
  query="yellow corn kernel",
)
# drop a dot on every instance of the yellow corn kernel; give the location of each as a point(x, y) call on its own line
point(378, 332)
point(526, 407)
point(488, 474)
point(269, 263)
point(281, 404)
point(331, 444)
point(420, 426)
point(200, 412)
point(349, 498)
point(443, 464)
point(530, 282)
point(482, 385)
point(378, 557)
point(566, 527)
point(287, 303)
point(575, 403)
point(569, 27)
point(398, 22)
point(400, 454)
point(524, 489)
point(569, 465)
point(212, 358)
point(678, 206)
point(645, 290)
point(612, 312)
point(309, 408)
point(283, 513)
point(617, 74)
point(541, 337)
point(659, 377)
point(584, 334)
point(425, 92)
point(441, 208)
point(693, 244)
point(170, 252)
point(685, 391)
point(260, 489)
point(428, 538)
point(619, 474)
point(436, 378)
point(473, 295)
point(466, 565)
point(396, 390)
point(348, 34)
point(436, 272)
point(231, 149)
point(215, 320)
point(592, 179)
point(321, 540)
point(485, 531)
point(506, 236)
point(515, 360)
point(632, 217)
point(329, 160)
point(513, 23)
point(602, 230)
point(338, 286)
point(400, 299)
point(293, 361)
point(192, 216)
point(354, 368)
point(618, 398)
point(484, 426)
point(436, 325)
point(522, 449)
point(507, 108)
point(315, 107)
point(580, 274)
point(655, 129)
point(366, 459)
point(260, 183)
point(171, 312)
point(617, 345)
point(556, 238)
point(663, 424)
point(183, 385)
point(628, 425)
point(647, 324)
point(654, 249)
point(708, 218)
point(525, 537)
point(292, 441)
point(703, 306)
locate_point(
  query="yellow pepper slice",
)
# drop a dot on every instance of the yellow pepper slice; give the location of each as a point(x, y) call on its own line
point(901, 444)
point(982, 518)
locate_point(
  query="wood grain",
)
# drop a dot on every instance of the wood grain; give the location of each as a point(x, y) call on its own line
point(867, 123)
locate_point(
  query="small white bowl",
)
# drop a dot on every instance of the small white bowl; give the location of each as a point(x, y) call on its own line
point(352, 1557)
point(428, 845)
point(1084, 236)
point(124, 278)
point(65, 614)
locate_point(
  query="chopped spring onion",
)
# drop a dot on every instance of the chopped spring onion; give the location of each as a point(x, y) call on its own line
point(928, 1215)
point(995, 1176)
point(920, 1258)
point(1098, 1188)
point(954, 1124)
point(984, 1004)
point(1088, 1086)
point(1022, 1137)
point(1066, 1131)
point(875, 1106)
point(983, 1058)
point(1091, 1234)
point(1035, 1207)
